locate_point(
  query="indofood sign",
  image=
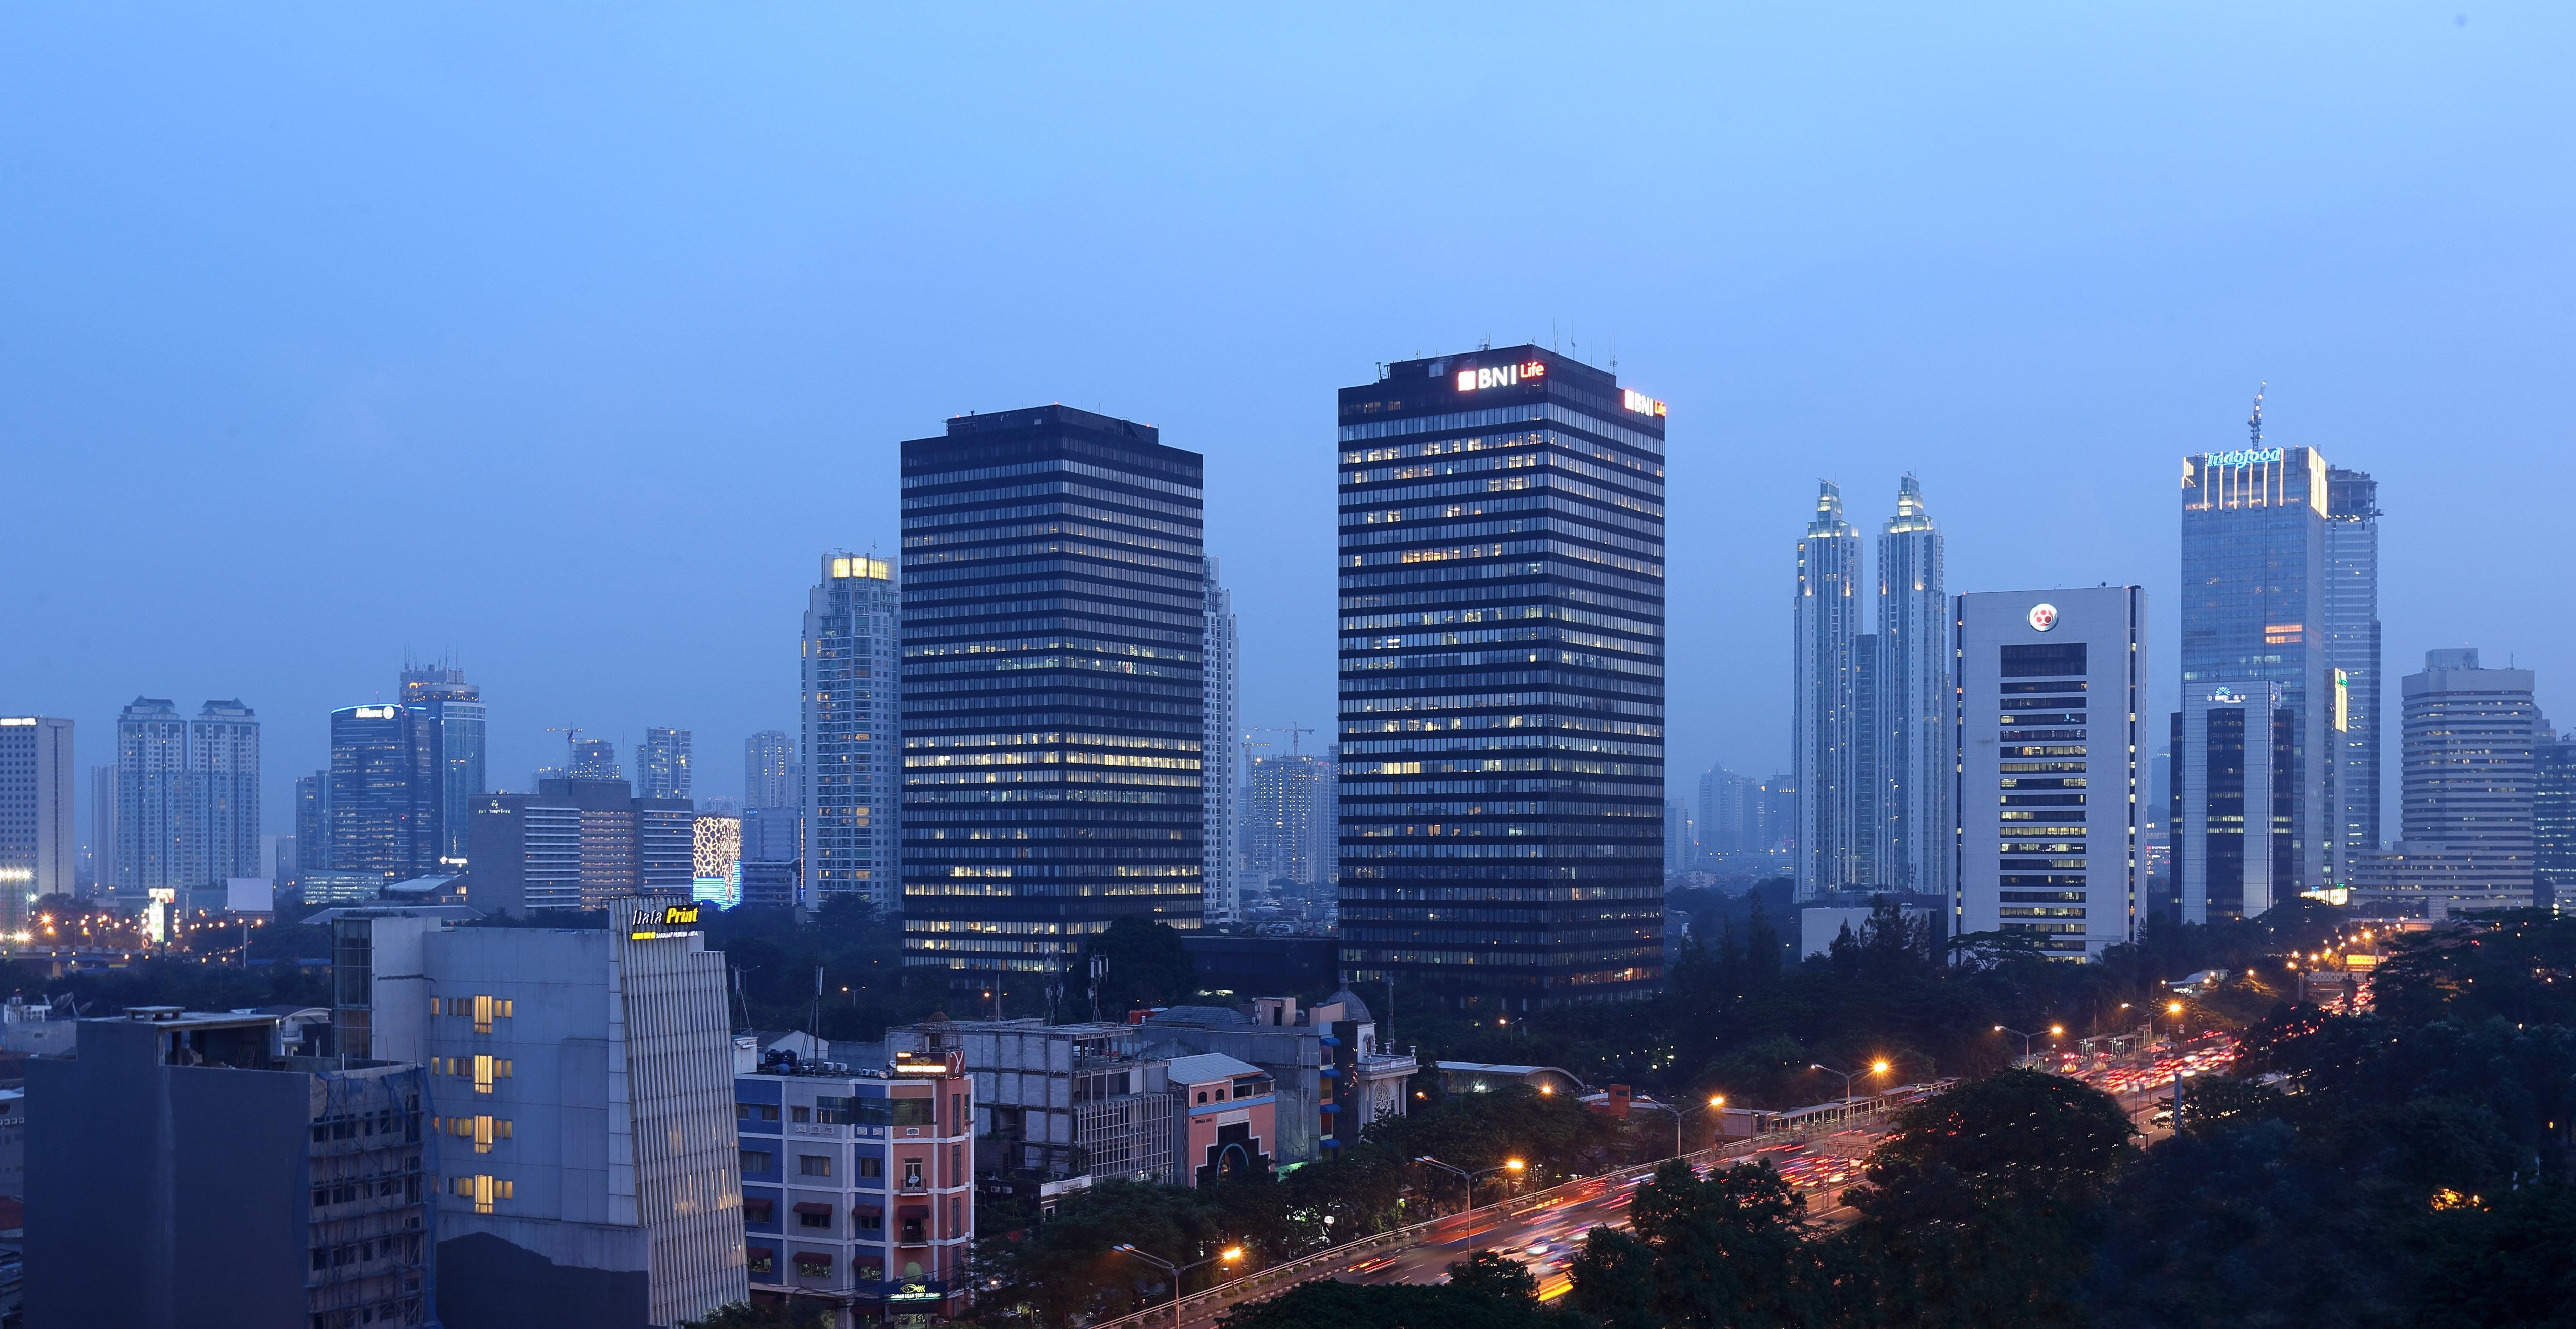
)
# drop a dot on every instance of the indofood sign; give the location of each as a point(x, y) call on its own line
point(663, 920)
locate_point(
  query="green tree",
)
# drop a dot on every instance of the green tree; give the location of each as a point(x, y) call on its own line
point(1147, 966)
point(1729, 1250)
point(765, 1315)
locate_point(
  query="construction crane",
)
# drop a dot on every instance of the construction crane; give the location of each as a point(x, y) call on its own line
point(1294, 733)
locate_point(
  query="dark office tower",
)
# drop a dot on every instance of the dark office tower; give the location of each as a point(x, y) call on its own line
point(156, 835)
point(1222, 838)
point(2352, 650)
point(1054, 610)
point(769, 770)
point(662, 764)
point(372, 806)
point(2254, 622)
point(102, 829)
point(1502, 670)
point(223, 772)
point(2553, 819)
point(1914, 700)
point(313, 822)
point(447, 719)
point(852, 717)
point(1828, 743)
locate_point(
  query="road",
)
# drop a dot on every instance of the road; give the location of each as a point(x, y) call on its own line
point(1821, 1168)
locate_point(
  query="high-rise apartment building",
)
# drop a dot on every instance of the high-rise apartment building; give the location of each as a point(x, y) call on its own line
point(771, 840)
point(156, 833)
point(1729, 813)
point(579, 1108)
point(1054, 695)
point(593, 759)
point(1289, 824)
point(2553, 819)
point(223, 772)
point(852, 766)
point(769, 770)
point(1836, 823)
point(2254, 620)
point(372, 796)
point(447, 728)
point(1502, 680)
point(38, 839)
point(313, 822)
point(1222, 773)
point(662, 764)
point(2466, 793)
point(2351, 615)
point(2049, 714)
point(102, 829)
point(1913, 701)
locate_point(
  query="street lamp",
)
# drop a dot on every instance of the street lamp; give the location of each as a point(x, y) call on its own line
point(1511, 1165)
point(1681, 1114)
point(1879, 1067)
point(1229, 1255)
point(2053, 1031)
point(2174, 1009)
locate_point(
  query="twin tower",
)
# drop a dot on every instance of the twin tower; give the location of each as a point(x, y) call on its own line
point(1872, 707)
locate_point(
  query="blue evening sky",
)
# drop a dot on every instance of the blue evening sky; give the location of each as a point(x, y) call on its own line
point(561, 339)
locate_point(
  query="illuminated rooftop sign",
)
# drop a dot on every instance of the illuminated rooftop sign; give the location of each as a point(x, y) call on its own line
point(1500, 376)
point(374, 712)
point(2043, 617)
point(669, 920)
point(1640, 402)
point(2246, 457)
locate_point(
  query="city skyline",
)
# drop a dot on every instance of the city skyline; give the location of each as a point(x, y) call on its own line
point(603, 354)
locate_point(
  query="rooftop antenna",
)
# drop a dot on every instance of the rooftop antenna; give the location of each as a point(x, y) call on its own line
point(2254, 422)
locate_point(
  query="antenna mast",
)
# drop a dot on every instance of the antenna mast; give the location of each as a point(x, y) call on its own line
point(2254, 422)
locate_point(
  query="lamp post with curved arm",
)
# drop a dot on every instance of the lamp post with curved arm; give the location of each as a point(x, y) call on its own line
point(1681, 1114)
point(1511, 1165)
point(1229, 1255)
point(1878, 1067)
point(2054, 1031)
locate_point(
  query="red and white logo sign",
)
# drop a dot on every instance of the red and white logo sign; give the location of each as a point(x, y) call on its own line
point(2043, 617)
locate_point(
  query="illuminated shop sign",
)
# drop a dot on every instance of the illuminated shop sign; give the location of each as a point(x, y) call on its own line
point(1500, 376)
point(2246, 457)
point(1640, 402)
point(668, 920)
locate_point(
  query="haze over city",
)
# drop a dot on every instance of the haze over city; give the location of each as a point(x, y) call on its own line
point(558, 343)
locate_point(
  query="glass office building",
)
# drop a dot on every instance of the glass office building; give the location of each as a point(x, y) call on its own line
point(372, 794)
point(2353, 649)
point(448, 719)
point(1054, 619)
point(2254, 585)
point(1502, 680)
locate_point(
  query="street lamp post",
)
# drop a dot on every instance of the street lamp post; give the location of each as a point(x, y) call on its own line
point(1879, 1067)
point(2054, 1031)
point(1229, 1255)
point(1681, 1114)
point(1511, 1165)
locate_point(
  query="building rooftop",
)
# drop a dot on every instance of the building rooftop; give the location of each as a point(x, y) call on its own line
point(1210, 1066)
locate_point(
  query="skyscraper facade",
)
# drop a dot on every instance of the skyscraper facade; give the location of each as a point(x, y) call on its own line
point(769, 770)
point(374, 828)
point(2051, 698)
point(447, 728)
point(2553, 819)
point(313, 822)
point(852, 764)
point(2352, 652)
point(1730, 813)
point(223, 774)
point(1502, 680)
point(102, 829)
point(593, 759)
point(1914, 701)
point(1827, 741)
point(2254, 589)
point(2466, 793)
point(662, 764)
point(1054, 692)
point(1222, 772)
point(38, 790)
point(156, 836)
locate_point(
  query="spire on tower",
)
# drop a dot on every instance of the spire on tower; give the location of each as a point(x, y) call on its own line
point(2255, 421)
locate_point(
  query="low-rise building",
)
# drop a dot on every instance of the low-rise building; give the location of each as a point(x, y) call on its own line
point(580, 1090)
point(1057, 1101)
point(1229, 1118)
point(185, 1171)
point(858, 1185)
point(1331, 1074)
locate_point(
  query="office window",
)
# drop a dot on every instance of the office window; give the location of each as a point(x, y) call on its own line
point(871, 1166)
point(483, 1189)
point(755, 1112)
point(759, 1209)
point(813, 1165)
point(911, 1111)
point(800, 1114)
point(814, 1216)
point(912, 1173)
point(832, 1111)
point(762, 1259)
point(757, 1160)
point(869, 1222)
